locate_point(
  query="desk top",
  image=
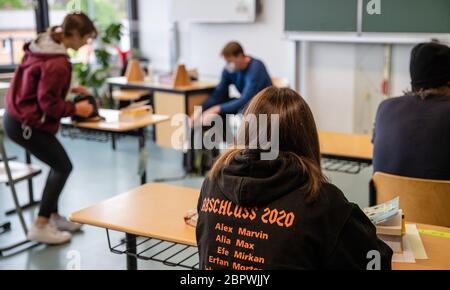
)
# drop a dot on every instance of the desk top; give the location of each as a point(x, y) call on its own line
point(152, 210)
point(437, 249)
point(346, 145)
point(195, 87)
point(157, 210)
point(113, 124)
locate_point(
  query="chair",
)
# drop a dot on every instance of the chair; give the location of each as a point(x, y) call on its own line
point(11, 173)
point(422, 201)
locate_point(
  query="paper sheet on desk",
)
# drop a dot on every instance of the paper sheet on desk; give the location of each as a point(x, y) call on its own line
point(413, 247)
point(407, 256)
point(416, 242)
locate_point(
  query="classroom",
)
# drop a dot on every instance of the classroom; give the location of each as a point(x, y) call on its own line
point(225, 135)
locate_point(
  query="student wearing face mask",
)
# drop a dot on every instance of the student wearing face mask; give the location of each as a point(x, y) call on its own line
point(35, 104)
point(248, 74)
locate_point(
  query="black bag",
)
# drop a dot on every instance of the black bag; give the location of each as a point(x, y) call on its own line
point(93, 102)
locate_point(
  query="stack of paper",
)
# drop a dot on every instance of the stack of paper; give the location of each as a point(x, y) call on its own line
point(389, 221)
point(404, 239)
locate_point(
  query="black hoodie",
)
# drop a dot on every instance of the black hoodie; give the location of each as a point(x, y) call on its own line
point(255, 216)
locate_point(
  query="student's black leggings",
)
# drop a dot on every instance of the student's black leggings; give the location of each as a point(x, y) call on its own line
point(46, 148)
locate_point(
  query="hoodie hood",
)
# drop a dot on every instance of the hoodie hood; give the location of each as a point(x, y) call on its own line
point(37, 54)
point(251, 182)
point(46, 45)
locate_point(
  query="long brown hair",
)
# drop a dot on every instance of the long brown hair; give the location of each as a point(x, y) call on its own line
point(74, 23)
point(298, 136)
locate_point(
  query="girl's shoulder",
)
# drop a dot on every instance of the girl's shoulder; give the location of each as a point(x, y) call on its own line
point(330, 199)
point(57, 64)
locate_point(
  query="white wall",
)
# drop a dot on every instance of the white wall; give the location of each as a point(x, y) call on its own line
point(337, 74)
point(201, 44)
point(154, 31)
point(330, 85)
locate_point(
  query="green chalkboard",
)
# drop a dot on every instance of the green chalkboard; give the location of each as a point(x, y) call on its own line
point(409, 16)
point(321, 15)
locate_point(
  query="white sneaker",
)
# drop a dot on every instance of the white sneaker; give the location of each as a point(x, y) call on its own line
point(63, 224)
point(48, 234)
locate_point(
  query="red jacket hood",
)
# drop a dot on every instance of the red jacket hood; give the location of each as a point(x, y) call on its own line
point(31, 57)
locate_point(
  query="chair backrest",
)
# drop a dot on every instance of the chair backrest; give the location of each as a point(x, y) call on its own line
point(422, 201)
point(280, 83)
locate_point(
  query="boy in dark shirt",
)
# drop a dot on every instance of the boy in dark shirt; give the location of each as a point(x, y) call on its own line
point(412, 133)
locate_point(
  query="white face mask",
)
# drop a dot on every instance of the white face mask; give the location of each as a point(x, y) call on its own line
point(230, 67)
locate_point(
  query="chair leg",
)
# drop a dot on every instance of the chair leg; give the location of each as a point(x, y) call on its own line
point(17, 248)
point(13, 189)
point(5, 227)
point(26, 244)
point(31, 201)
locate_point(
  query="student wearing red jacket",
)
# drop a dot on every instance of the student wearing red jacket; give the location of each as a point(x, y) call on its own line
point(35, 104)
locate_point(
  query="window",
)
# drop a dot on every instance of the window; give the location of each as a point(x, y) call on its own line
point(20, 19)
point(17, 26)
point(104, 12)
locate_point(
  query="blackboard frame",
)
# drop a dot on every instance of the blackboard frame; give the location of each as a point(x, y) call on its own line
point(359, 25)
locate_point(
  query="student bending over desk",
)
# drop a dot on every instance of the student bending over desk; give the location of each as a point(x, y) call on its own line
point(35, 105)
point(412, 133)
point(281, 214)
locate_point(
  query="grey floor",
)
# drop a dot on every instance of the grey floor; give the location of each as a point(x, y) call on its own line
point(101, 173)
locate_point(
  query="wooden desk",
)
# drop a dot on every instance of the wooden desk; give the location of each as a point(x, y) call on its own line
point(349, 147)
point(113, 125)
point(437, 248)
point(345, 153)
point(157, 210)
point(169, 101)
point(129, 95)
point(153, 211)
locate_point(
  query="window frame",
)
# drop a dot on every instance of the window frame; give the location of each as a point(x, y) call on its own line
point(41, 9)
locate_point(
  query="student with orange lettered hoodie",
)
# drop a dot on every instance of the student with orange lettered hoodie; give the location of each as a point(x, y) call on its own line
point(281, 213)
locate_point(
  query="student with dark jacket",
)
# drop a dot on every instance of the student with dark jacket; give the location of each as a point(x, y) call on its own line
point(412, 133)
point(35, 104)
point(281, 214)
